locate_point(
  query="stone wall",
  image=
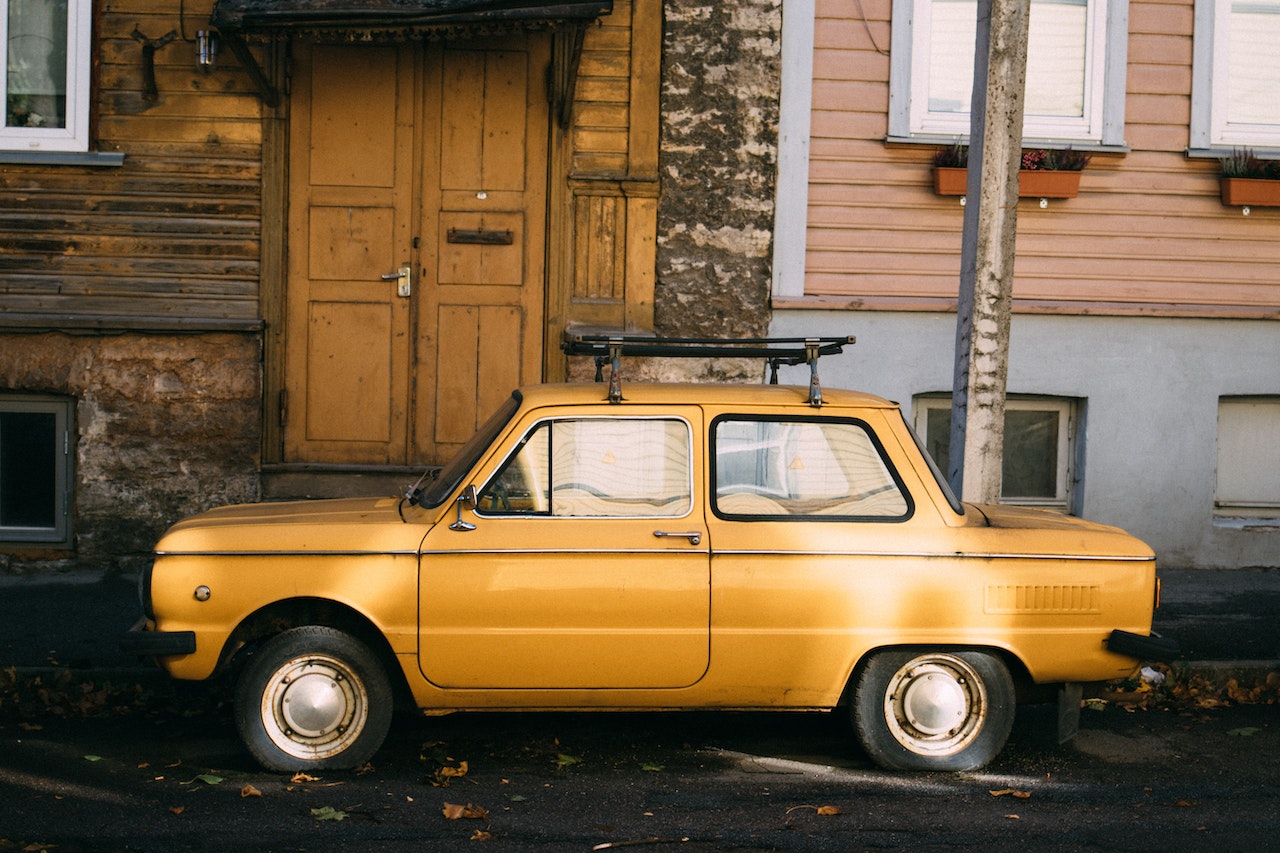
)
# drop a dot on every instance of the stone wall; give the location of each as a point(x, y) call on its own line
point(165, 425)
point(720, 89)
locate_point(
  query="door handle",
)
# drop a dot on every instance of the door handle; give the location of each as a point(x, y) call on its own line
point(404, 275)
point(694, 536)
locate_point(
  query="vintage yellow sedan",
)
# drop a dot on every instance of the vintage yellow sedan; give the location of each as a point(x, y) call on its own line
point(668, 547)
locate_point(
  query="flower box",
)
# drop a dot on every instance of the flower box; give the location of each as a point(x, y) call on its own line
point(1032, 183)
point(1251, 192)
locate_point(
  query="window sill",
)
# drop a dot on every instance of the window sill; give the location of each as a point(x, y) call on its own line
point(1028, 142)
point(101, 159)
point(1239, 520)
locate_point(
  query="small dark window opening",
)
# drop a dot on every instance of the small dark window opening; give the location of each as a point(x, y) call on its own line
point(35, 470)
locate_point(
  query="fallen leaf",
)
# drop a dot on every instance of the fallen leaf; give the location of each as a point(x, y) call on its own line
point(453, 811)
point(250, 791)
point(563, 760)
point(210, 779)
point(827, 811)
point(177, 809)
point(652, 768)
point(93, 758)
point(1010, 792)
point(299, 778)
point(481, 835)
point(328, 813)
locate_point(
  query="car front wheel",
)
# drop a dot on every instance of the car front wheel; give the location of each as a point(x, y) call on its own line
point(313, 698)
point(941, 711)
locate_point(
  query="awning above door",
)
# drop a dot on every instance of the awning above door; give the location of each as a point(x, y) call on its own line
point(274, 16)
point(239, 20)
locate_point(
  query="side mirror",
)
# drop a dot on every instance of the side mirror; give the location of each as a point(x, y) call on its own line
point(471, 498)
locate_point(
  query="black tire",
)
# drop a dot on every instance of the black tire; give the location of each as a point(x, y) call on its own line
point(313, 698)
point(933, 710)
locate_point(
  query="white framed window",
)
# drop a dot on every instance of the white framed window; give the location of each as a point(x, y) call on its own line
point(1040, 446)
point(45, 74)
point(1235, 74)
point(1248, 478)
point(1076, 55)
point(35, 470)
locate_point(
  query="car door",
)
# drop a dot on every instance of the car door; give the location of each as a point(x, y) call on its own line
point(583, 564)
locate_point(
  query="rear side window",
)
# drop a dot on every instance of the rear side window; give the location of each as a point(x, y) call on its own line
point(596, 467)
point(813, 468)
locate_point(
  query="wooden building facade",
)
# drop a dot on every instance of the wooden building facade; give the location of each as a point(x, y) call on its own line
point(313, 265)
point(1144, 372)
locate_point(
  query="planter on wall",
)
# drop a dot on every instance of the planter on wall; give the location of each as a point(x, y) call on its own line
point(1256, 192)
point(1032, 183)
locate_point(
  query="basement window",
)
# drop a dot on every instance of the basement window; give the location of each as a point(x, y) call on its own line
point(1248, 480)
point(35, 470)
point(1040, 447)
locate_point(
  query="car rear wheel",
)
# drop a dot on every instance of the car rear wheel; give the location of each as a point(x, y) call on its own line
point(313, 698)
point(948, 711)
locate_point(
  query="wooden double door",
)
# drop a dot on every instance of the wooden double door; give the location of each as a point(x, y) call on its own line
point(416, 243)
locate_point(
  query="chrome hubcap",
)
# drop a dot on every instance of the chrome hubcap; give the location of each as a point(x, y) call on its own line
point(313, 707)
point(935, 705)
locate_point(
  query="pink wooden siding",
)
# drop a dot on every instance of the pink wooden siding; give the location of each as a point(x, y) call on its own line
point(1147, 234)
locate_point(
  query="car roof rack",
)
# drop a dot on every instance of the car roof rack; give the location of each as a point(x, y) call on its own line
point(775, 351)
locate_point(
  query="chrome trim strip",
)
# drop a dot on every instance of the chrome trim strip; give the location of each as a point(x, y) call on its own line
point(947, 555)
point(286, 553)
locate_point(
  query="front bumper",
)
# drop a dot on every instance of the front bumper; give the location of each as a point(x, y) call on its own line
point(1143, 647)
point(142, 640)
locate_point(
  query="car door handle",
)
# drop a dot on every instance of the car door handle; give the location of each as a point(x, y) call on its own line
point(694, 536)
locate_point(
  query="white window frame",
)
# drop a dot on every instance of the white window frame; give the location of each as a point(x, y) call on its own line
point(1247, 481)
point(1211, 126)
point(58, 535)
point(1065, 498)
point(1102, 123)
point(75, 136)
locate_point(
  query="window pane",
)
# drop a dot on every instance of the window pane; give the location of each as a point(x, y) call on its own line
point(1248, 453)
point(602, 467)
point(619, 468)
point(36, 90)
point(1254, 64)
point(28, 469)
point(1030, 468)
point(802, 468)
point(1055, 57)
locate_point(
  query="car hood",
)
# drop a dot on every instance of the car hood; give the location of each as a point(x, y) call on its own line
point(1071, 535)
point(355, 525)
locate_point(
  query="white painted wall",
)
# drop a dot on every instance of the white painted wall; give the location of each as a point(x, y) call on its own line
point(1151, 389)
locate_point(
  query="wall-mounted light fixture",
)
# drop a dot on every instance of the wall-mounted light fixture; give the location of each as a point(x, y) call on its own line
point(206, 49)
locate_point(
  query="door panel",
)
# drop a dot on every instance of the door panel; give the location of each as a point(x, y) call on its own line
point(346, 365)
point(431, 158)
point(484, 199)
point(588, 565)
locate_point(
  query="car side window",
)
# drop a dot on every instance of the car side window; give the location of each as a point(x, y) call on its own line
point(596, 467)
point(821, 468)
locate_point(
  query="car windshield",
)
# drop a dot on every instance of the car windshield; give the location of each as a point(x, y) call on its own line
point(434, 492)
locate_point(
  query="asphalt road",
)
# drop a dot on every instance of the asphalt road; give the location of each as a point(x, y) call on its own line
point(178, 780)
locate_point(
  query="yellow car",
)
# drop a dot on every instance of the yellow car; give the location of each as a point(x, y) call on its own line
point(654, 547)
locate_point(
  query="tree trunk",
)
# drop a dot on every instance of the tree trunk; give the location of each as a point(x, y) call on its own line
point(990, 229)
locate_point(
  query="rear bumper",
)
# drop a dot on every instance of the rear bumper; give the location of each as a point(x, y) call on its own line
point(1143, 647)
point(143, 641)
